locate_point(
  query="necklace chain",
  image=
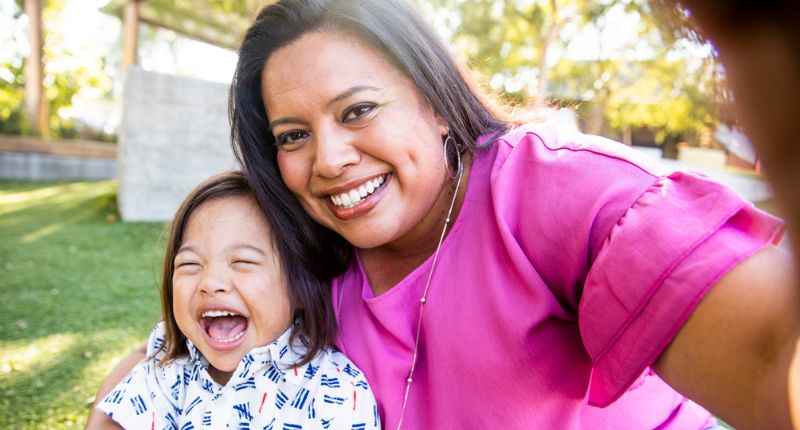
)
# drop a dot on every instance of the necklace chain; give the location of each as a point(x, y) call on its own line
point(424, 299)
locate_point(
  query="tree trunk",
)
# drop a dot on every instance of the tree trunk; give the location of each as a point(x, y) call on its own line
point(536, 90)
point(35, 103)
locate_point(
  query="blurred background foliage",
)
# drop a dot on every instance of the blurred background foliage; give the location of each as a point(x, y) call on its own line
point(624, 65)
point(66, 73)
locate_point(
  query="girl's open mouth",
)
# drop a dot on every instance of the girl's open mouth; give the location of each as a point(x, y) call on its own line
point(223, 328)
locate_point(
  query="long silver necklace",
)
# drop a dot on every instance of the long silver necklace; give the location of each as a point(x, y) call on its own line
point(424, 299)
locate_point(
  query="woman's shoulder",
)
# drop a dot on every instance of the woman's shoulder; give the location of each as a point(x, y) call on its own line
point(551, 144)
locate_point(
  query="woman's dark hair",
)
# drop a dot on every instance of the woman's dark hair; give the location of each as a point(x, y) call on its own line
point(394, 29)
point(308, 297)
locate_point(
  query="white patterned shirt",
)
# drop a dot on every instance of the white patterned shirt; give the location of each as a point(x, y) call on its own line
point(264, 392)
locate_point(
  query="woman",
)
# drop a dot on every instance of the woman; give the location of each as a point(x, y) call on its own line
point(492, 275)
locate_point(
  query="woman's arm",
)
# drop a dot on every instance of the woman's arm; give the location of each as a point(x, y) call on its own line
point(734, 354)
point(97, 419)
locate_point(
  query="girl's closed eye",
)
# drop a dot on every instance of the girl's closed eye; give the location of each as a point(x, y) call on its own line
point(185, 265)
point(247, 257)
point(245, 261)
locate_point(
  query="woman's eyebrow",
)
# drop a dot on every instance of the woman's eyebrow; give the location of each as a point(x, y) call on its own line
point(350, 91)
point(341, 96)
point(287, 120)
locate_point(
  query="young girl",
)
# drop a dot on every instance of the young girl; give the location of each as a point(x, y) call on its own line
point(244, 339)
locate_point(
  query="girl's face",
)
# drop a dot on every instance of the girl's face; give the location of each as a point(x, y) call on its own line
point(228, 293)
point(358, 145)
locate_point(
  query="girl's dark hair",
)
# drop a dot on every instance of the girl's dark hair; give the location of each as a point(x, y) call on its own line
point(394, 29)
point(308, 297)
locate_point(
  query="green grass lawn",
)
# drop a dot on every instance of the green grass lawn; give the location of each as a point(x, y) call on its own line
point(78, 290)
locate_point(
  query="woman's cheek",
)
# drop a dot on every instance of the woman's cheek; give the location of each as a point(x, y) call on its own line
point(293, 171)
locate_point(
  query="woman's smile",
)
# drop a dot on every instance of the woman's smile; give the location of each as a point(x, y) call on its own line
point(354, 197)
point(358, 200)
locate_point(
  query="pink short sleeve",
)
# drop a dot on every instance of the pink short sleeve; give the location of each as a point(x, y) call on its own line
point(676, 241)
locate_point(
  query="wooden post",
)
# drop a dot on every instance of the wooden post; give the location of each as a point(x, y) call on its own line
point(35, 103)
point(130, 36)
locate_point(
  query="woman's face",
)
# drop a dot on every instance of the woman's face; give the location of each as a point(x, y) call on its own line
point(358, 144)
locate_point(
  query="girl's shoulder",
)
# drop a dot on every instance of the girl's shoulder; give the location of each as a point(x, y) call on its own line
point(335, 369)
point(343, 391)
point(156, 346)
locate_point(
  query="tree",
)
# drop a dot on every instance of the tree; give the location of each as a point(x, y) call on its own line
point(35, 104)
point(62, 76)
point(572, 50)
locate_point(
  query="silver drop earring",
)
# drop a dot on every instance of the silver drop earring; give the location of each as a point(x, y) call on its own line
point(448, 141)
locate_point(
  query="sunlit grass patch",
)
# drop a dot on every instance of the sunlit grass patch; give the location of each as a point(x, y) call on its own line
point(78, 290)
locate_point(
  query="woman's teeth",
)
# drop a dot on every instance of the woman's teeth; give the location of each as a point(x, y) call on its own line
point(353, 197)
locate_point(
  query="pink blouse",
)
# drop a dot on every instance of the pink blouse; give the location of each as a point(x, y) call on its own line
point(572, 264)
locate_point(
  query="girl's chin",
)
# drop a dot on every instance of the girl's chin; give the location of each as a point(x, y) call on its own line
point(224, 364)
point(220, 376)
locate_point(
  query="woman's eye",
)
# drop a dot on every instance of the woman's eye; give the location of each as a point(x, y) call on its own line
point(187, 265)
point(357, 111)
point(291, 137)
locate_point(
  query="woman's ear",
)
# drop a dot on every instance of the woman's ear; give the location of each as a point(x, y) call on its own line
point(444, 129)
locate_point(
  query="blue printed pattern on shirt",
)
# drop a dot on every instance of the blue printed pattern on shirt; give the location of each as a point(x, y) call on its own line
point(264, 392)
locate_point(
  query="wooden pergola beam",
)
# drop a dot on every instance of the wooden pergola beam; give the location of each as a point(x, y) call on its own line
point(130, 38)
point(208, 21)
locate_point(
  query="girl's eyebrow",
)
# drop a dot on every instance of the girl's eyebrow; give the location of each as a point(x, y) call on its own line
point(234, 247)
point(341, 96)
point(255, 249)
point(186, 248)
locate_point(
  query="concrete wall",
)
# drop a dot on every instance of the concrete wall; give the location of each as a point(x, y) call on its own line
point(36, 158)
point(175, 133)
point(34, 166)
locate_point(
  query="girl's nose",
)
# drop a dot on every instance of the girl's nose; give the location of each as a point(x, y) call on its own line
point(214, 281)
point(335, 151)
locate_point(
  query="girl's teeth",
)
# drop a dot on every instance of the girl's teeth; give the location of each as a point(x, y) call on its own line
point(217, 314)
point(370, 187)
point(230, 339)
point(362, 191)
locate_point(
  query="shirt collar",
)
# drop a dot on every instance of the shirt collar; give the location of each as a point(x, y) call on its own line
point(279, 352)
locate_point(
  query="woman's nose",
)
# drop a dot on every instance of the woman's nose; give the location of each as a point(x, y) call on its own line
point(334, 153)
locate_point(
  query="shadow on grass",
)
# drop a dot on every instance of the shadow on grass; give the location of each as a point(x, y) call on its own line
point(56, 392)
point(77, 288)
point(64, 267)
